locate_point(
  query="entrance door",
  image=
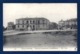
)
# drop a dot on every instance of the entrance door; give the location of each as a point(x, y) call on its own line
point(29, 28)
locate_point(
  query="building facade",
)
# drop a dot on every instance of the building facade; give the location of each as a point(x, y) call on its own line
point(32, 24)
point(68, 24)
point(10, 26)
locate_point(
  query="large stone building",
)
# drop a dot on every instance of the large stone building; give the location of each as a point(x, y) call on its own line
point(68, 24)
point(32, 24)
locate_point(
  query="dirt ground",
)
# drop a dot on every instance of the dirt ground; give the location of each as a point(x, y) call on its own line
point(40, 40)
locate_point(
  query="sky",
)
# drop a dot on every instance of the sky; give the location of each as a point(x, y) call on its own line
point(54, 12)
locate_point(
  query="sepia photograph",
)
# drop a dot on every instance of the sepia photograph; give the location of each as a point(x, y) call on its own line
point(40, 27)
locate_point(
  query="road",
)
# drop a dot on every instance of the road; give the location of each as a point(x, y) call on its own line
point(40, 40)
point(14, 32)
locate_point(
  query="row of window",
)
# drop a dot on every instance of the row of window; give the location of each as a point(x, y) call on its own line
point(28, 26)
point(33, 22)
point(24, 26)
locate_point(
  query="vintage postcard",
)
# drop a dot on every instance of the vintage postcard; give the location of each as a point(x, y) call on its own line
point(39, 26)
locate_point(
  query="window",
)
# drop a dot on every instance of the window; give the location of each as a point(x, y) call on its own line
point(18, 26)
point(38, 22)
point(27, 25)
point(22, 25)
point(33, 22)
point(26, 21)
point(23, 22)
point(33, 27)
point(30, 21)
point(43, 21)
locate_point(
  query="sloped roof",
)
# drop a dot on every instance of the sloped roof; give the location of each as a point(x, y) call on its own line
point(37, 18)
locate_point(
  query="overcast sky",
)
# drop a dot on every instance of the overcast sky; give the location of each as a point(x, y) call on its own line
point(52, 11)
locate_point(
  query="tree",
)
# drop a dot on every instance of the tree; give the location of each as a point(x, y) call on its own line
point(53, 25)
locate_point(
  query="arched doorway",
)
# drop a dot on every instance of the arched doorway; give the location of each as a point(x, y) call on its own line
point(29, 28)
